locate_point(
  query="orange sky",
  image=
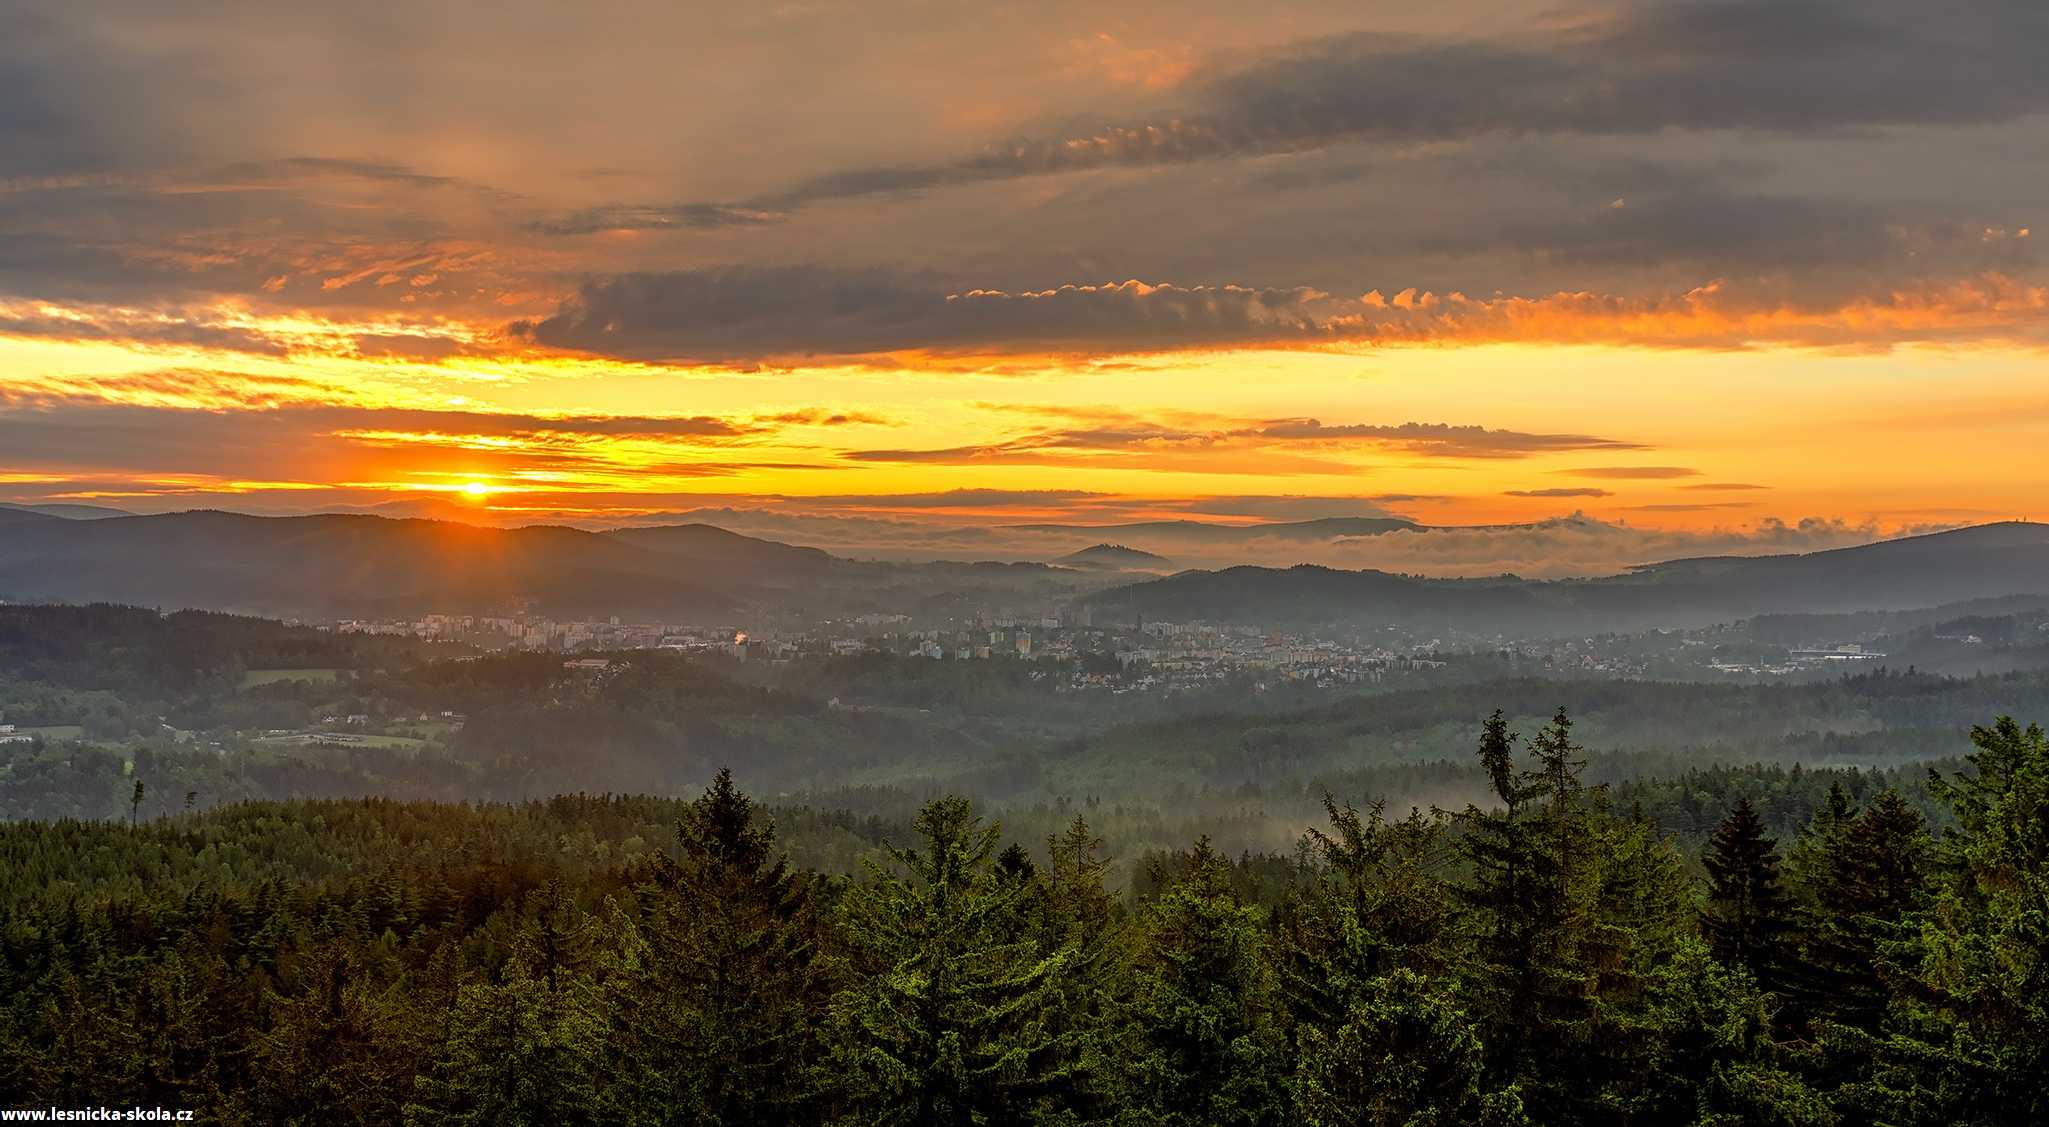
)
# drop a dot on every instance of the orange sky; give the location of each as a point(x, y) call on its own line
point(846, 274)
point(1904, 435)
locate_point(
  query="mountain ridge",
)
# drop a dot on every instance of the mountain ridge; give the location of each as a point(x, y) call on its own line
point(2005, 558)
point(353, 565)
point(1113, 557)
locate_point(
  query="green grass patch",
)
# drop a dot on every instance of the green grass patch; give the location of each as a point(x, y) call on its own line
point(405, 743)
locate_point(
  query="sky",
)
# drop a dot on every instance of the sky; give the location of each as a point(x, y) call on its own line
point(1595, 283)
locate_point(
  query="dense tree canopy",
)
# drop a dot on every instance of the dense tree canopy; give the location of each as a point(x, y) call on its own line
point(1540, 957)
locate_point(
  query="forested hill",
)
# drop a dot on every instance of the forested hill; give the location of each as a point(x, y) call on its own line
point(343, 566)
point(1972, 563)
point(1884, 718)
point(151, 657)
point(1544, 957)
point(362, 566)
point(356, 566)
point(1114, 557)
point(207, 709)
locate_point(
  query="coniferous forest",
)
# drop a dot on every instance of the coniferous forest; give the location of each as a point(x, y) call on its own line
point(1545, 956)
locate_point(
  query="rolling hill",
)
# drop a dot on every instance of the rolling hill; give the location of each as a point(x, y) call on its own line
point(716, 555)
point(1114, 557)
point(1971, 563)
point(68, 512)
point(335, 566)
point(345, 566)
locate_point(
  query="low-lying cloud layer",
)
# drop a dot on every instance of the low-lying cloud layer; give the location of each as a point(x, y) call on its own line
point(1564, 546)
point(1133, 437)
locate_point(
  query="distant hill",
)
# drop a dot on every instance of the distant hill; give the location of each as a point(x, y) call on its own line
point(1972, 563)
point(68, 512)
point(712, 553)
point(344, 566)
point(340, 565)
point(1113, 557)
point(336, 566)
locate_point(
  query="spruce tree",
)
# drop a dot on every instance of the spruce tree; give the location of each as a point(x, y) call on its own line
point(1079, 909)
point(1375, 900)
point(1636, 915)
point(1811, 862)
point(1079, 917)
point(339, 1051)
point(954, 1015)
point(1969, 1041)
point(1510, 895)
point(1210, 1051)
point(1554, 783)
point(1702, 1051)
point(1404, 1057)
point(524, 1048)
point(1868, 874)
point(721, 988)
point(1501, 862)
point(1748, 915)
point(1884, 869)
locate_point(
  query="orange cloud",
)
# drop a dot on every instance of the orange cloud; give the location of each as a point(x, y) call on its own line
point(1991, 307)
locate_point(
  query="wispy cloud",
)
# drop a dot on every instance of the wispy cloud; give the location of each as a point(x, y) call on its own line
point(192, 431)
point(1632, 473)
point(1223, 447)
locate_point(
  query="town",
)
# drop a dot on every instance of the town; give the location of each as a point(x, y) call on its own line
point(1085, 654)
point(1142, 656)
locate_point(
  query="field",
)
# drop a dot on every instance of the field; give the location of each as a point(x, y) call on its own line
point(343, 739)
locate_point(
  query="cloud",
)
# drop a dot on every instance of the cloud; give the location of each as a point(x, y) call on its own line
point(687, 217)
point(1794, 66)
point(1136, 441)
point(191, 429)
point(1724, 486)
point(1582, 545)
point(1564, 546)
point(1632, 473)
point(1440, 440)
point(746, 314)
point(958, 499)
point(309, 401)
point(1717, 315)
point(1071, 504)
point(231, 328)
point(1561, 491)
point(1295, 507)
point(814, 417)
